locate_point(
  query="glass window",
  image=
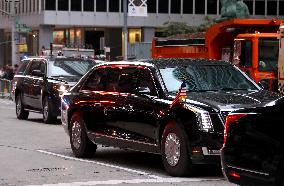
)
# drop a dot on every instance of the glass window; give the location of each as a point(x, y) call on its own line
point(272, 7)
point(260, 7)
point(164, 6)
point(23, 66)
point(89, 5)
point(76, 5)
point(246, 54)
point(205, 78)
point(249, 3)
point(281, 9)
point(151, 6)
point(101, 5)
point(63, 5)
point(114, 5)
point(211, 7)
point(35, 65)
point(187, 7)
point(267, 55)
point(49, 5)
point(200, 6)
point(145, 84)
point(70, 68)
point(175, 6)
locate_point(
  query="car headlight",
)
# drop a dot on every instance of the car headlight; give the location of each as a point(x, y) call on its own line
point(61, 88)
point(203, 119)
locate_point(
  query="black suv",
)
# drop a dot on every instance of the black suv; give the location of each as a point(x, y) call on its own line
point(172, 107)
point(40, 82)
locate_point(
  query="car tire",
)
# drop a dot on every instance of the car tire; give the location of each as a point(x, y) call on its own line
point(48, 112)
point(81, 145)
point(21, 113)
point(175, 152)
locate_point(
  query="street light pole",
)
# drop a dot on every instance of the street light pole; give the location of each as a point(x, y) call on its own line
point(13, 29)
point(125, 29)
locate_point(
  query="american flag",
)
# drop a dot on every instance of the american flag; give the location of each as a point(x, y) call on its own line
point(180, 95)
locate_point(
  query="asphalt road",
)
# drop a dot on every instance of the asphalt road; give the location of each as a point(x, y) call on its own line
point(34, 153)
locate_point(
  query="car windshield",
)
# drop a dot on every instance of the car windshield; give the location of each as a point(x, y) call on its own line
point(205, 78)
point(67, 67)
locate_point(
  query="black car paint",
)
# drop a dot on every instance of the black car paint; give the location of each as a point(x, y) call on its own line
point(136, 121)
point(254, 147)
point(34, 88)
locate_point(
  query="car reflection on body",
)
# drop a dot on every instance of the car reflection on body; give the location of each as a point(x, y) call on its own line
point(40, 82)
point(142, 106)
point(253, 151)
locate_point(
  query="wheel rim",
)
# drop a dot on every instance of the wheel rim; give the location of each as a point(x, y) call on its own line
point(18, 106)
point(172, 149)
point(76, 134)
point(45, 110)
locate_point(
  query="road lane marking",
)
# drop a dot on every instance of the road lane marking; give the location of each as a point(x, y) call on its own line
point(133, 181)
point(102, 164)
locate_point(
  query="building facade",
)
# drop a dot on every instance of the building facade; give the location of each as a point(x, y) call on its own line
point(98, 23)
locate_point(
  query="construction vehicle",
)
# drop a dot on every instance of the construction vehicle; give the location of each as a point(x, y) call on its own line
point(250, 44)
point(281, 60)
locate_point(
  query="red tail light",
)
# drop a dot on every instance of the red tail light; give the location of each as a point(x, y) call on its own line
point(231, 119)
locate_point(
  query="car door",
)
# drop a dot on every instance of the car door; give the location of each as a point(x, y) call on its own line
point(39, 85)
point(99, 97)
point(32, 84)
point(142, 111)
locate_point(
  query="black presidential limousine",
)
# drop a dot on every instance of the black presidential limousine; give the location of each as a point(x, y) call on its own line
point(172, 107)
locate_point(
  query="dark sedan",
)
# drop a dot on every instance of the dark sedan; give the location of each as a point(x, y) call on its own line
point(172, 107)
point(253, 151)
point(40, 82)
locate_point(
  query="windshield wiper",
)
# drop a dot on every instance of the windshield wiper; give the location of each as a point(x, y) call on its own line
point(231, 89)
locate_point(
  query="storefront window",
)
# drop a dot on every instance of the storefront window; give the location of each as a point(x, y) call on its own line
point(58, 37)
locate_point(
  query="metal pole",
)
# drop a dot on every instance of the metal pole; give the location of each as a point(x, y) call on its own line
point(125, 30)
point(12, 13)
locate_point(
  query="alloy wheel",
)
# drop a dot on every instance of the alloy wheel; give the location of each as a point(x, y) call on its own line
point(76, 134)
point(172, 149)
point(18, 106)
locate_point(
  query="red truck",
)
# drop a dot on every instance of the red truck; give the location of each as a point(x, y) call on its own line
point(251, 44)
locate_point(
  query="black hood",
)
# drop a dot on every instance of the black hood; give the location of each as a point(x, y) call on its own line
point(231, 100)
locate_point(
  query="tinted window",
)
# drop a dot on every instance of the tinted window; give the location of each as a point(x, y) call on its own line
point(76, 5)
point(205, 78)
point(104, 79)
point(114, 5)
point(200, 7)
point(35, 65)
point(187, 7)
point(164, 6)
point(145, 83)
point(151, 6)
point(89, 5)
point(63, 5)
point(23, 67)
point(49, 4)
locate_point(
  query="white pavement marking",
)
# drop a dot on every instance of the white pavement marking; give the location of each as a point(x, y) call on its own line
point(102, 164)
point(134, 181)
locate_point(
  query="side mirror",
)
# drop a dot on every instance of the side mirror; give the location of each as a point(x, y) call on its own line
point(37, 73)
point(143, 90)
